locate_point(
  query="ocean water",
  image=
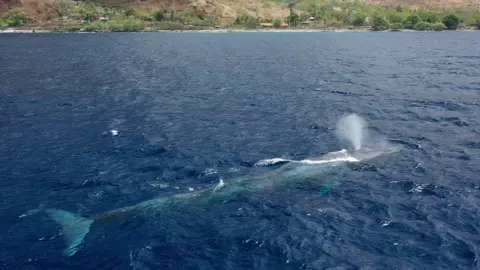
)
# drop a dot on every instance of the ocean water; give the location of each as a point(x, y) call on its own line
point(93, 122)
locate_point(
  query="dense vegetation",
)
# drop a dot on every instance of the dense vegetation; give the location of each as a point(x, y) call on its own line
point(348, 14)
point(384, 17)
point(306, 13)
point(14, 17)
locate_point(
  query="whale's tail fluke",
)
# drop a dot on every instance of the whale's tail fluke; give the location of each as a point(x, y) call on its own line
point(74, 228)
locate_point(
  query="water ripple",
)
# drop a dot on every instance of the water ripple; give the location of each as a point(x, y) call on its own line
point(118, 118)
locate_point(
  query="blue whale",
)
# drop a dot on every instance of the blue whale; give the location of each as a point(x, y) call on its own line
point(76, 227)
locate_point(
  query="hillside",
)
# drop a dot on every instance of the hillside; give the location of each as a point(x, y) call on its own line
point(41, 10)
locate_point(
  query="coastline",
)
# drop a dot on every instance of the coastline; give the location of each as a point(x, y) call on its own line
point(34, 30)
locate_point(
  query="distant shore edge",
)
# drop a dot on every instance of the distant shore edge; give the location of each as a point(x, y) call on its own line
point(305, 30)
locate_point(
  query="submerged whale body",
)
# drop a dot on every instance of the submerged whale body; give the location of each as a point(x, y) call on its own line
point(76, 227)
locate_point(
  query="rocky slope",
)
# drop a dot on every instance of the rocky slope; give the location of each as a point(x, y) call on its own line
point(44, 10)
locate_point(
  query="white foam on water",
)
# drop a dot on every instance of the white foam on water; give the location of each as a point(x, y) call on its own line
point(209, 171)
point(219, 185)
point(417, 188)
point(271, 161)
point(233, 170)
point(333, 160)
point(159, 185)
point(32, 212)
point(331, 157)
point(385, 223)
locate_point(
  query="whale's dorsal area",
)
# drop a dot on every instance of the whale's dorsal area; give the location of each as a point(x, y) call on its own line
point(337, 156)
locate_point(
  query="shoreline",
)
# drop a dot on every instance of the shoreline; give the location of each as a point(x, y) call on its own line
point(34, 30)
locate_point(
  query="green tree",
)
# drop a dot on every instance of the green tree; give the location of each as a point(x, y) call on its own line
point(423, 26)
point(247, 21)
point(144, 16)
point(463, 13)
point(14, 17)
point(292, 19)
point(303, 17)
point(411, 20)
point(396, 26)
point(277, 23)
point(380, 23)
point(130, 12)
point(451, 21)
point(476, 19)
point(429, 16)
point(87, 11)
point(88, 17)
point(320, 16)
point(395, 17)
point(359, 19)
point(338, 15)
point(471, 19)
point(347, 18)
point(159, 15)
point(439, 26)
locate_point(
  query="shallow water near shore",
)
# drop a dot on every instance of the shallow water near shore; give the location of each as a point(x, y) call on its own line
point(91, 123)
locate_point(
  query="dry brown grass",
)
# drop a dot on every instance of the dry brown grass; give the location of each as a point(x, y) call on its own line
point(44, 10)
point(222, 8)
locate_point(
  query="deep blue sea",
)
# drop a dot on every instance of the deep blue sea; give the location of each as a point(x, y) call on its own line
point(94, 122)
